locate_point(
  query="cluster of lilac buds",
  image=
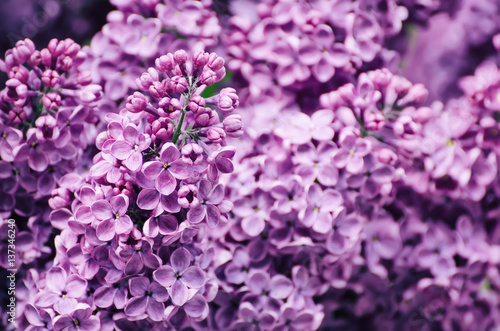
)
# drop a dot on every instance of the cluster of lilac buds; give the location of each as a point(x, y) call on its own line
point(47, 121)
point(132, 239)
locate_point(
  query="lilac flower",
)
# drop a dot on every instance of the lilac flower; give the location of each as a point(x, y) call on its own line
point(316, 163)
point(254, 212)
point(320, 206)
point(351, 153)
point(208, 209)
point(113, 217)
point(39, 319)
point(220, 161)
point(166, 170)
point(139, 256)
point(322, 53)
point(237, 270)
point(141, 37)
point(289, 195)
point(344, 234)
point(179, 276)
point(80, 319)
point(304, 128)
point(148, 298)
point(113, 294)
point(9, 139)
point(250, 318)
point(295, 319)
point(62, 291)
point(276, 287)
point(129, 149)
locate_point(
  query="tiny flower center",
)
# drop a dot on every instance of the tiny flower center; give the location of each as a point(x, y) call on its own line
point(63, 295)
point(76, 322)
point(4, 135)
point(290, 223)
point(67, 122)
point(165, 166)
point(316, 209)
point(450, 143)
point(117, 216)
point(33, 144)
point(149, 293)
point(351, 153)
point(265, 292)
point(136, 147)
point(177, 276)
point(144, 38)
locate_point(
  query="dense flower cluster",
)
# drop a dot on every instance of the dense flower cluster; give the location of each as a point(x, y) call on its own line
point(132, 239)
point(141, 31)
point(357, 187)
point(47, 122)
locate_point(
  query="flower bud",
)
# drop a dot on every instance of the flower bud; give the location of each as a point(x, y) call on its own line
point(374, 120)
point(208, 77)
point(20, 73)
point(233, 126)
point(136, 103)
point(200, 58)
point(215, 62)
point(91, 93)
point(66, 63)
point(179, 83)
point(187, 196)
point(206, 117)
point(46, 57)
point(192, 153)
point(216, 135)
point(61, 197)
point(228, 100)
point(51, 100)
point(50, 78)
point(16, 90)
point(23, 50)
point(56, 48)
point(196, 103)
point(84, 78)
point(46, 128)
point(147, 79)
point(17, 115)
point(157, 89)
point(72, 48)
point(36, 58)
point(165, 63)
point(180, 56)
point(387, 156)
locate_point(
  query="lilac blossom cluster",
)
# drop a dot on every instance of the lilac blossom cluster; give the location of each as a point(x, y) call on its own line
point(133, 249)
point(140, 31)
point(358, 195)
point(47, 122)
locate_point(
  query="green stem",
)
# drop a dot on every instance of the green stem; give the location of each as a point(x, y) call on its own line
point(177, 131)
